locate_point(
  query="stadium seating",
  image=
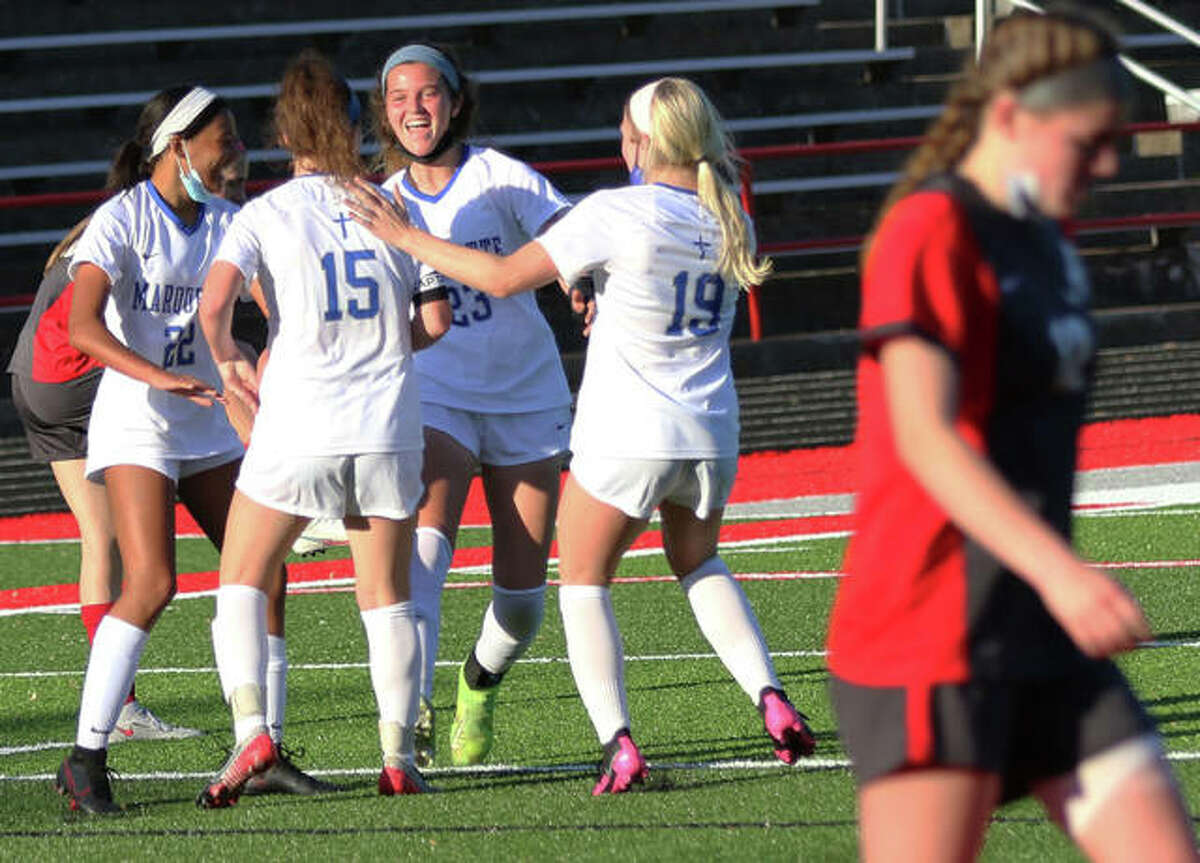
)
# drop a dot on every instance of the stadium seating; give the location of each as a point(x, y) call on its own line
point(552, 77)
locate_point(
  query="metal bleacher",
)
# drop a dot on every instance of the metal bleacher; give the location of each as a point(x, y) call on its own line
point(553, 76)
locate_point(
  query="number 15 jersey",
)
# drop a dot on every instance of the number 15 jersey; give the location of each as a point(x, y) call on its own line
point(339, 380)
point(658, 382)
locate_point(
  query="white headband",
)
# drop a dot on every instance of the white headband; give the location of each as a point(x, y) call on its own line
point(180, 117)
point(639, 107)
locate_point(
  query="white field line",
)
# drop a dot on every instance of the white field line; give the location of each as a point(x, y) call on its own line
point(527, 660)
point(805, 765)
point(1109, 502)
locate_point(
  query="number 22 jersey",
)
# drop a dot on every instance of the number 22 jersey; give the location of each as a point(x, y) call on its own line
point(658, 382)
point(156, 266)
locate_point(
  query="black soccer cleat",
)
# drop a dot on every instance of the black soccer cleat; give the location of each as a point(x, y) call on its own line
point(284, 777)
point(83, 779)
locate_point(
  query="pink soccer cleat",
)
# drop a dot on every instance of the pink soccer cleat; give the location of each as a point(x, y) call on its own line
point(786, 726)
point(247, 759)
point(405, 779)
point(622, 766)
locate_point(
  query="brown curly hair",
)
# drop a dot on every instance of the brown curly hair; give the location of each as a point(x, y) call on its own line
point(312, 118)
point(1021, 50)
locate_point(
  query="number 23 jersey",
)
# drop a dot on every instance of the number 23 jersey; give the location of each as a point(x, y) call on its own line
point(156, 266)
point(500, 355)
point(658, 382)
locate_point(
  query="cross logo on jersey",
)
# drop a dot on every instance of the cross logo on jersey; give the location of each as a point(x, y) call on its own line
point(702, 246)
point(342, 219)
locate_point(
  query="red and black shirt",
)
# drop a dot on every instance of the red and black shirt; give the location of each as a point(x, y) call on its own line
point(43, 352)
point(1007, 299)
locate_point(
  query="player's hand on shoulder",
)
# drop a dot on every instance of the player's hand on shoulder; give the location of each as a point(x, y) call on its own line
point(381, 214)
point(1101, 617)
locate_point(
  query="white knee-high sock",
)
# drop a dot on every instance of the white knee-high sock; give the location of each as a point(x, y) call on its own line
point(427, 575)
point(596, 654)
point(729, 624)
point(511, 621)
point(276, 695)
point(392, 654)
point(240, 644)
point(116, 651)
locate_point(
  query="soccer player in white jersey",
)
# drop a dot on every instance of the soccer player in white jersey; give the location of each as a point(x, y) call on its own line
point(154, 431)
point(494, 400)
point(341, 339)
point(656, 423)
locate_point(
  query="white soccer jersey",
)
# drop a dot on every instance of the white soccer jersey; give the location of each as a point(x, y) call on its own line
point(156, 266)
point(500, 355)
point(657, 383)
point(339, 381)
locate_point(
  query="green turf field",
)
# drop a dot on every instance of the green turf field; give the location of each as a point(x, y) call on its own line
point(715, 791)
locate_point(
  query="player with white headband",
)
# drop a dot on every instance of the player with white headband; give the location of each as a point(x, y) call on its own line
point(494, 400)
point(656, 425)
point(154, 430)
point(341, 337)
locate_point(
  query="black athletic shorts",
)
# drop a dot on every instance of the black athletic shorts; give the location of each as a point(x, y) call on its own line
point(55, 416)
point(1025, 730)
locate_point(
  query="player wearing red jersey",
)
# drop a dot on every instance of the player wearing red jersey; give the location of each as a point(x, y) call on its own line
point(969, 644)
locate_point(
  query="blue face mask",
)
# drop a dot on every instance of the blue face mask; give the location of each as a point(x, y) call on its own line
point(635, 176)
point(192, 184)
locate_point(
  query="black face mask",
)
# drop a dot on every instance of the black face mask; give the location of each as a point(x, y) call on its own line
point(445, 143)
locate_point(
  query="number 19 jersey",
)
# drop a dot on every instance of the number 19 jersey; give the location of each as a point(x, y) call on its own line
point(658, 382)
point(155, 266)
point(339, 380)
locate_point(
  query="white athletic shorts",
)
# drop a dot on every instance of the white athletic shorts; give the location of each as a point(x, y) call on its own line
point(385, 485)
point(173, 469)
point(638, 486)
point(503, 439)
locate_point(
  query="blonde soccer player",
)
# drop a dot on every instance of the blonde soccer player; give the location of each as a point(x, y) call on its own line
point(656, 425)
point(341, 341)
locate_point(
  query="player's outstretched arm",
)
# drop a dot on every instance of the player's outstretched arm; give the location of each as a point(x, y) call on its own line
point(526, 269)
point(88, 333)
point(921, 386)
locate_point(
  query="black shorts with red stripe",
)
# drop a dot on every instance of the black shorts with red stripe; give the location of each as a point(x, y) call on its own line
point(1024, 730)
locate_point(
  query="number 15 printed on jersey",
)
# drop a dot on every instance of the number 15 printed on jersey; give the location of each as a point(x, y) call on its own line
point(359, 306)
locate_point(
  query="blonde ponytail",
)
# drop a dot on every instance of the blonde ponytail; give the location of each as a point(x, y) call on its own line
point(688, 130)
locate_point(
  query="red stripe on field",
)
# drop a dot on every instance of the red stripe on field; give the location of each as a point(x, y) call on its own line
point(325, 570)
point(781, 475)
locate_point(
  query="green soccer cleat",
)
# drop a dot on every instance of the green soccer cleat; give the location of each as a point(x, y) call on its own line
point(471, 734)
point(424, 746)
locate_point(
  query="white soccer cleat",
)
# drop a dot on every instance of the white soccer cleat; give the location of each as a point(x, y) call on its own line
point(319, 535)
point(136, 722)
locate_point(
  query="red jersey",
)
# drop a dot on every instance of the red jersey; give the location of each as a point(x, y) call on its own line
point(43, 352)
point(1006, 298)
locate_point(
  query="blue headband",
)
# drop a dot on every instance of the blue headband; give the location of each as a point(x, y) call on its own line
point(430, 56)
